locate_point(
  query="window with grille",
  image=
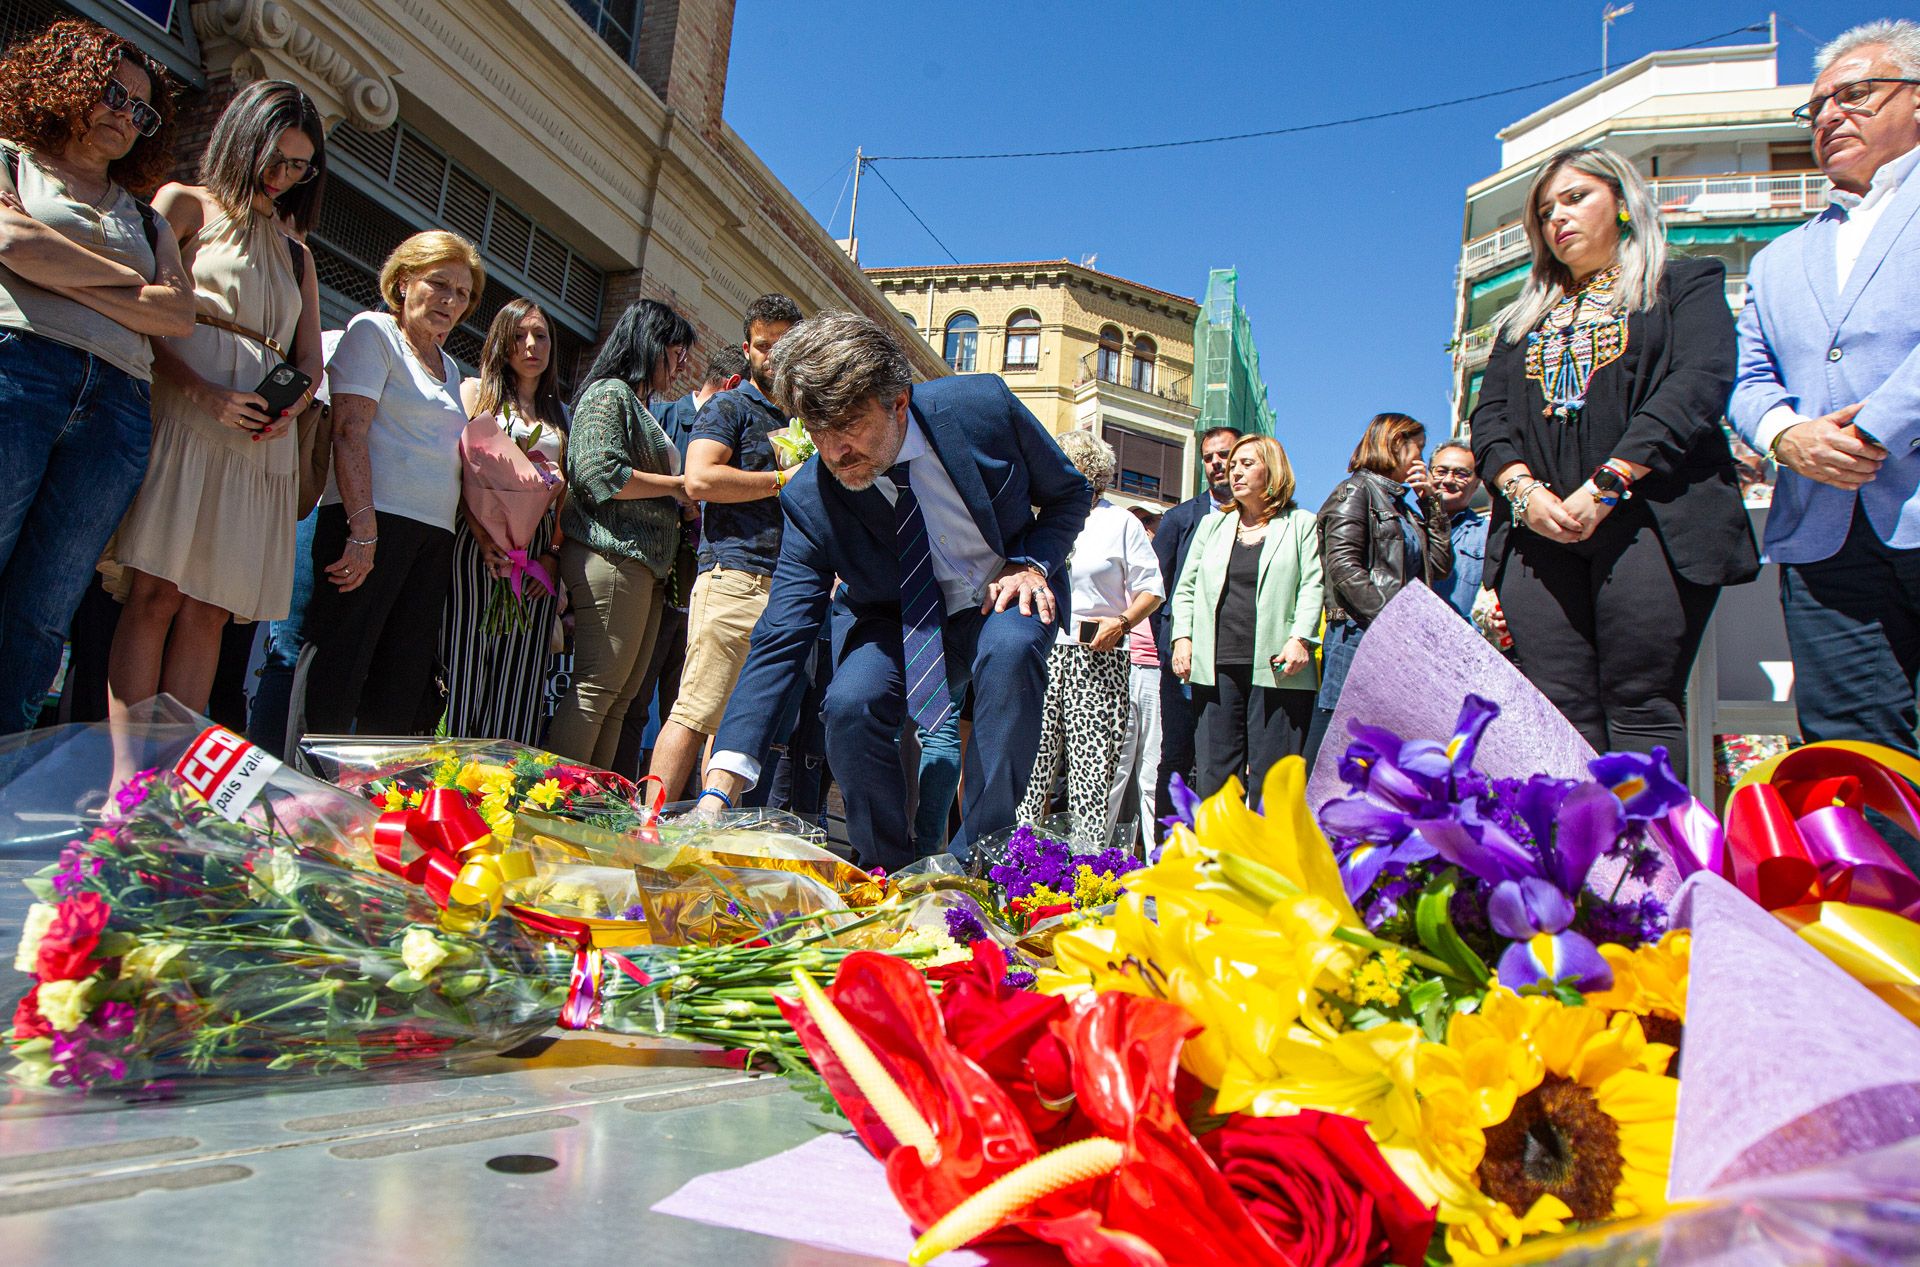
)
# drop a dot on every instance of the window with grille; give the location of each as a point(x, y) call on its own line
point(1144, 355)
point(963, 342)
point(1107, 362)
point(1023, 340)
point(1149, 466)
point(527, 258)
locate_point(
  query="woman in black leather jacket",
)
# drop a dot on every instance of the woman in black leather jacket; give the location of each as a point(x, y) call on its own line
point(1373, 543)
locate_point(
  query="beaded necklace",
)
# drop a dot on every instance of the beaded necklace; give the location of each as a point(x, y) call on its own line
point(1578, 336)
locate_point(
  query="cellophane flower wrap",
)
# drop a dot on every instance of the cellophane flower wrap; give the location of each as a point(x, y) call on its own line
point(170, 941)
point(507, 488)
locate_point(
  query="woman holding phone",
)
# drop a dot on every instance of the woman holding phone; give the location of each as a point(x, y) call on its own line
point(1246, 616)
point(210, 537)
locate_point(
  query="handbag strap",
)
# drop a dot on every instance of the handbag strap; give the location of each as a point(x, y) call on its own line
point(232, 327)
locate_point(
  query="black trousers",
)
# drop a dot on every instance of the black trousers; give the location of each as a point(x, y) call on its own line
point(375, 647)
point(1608, 631)
point(1242, 729)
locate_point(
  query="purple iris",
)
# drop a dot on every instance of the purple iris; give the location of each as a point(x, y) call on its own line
point(1362, 863)
point(1186, 804)
point(1536, 917)
point(1644, 784)
point(1398, 781)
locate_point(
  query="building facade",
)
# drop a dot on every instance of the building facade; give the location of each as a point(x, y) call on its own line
point(1711, 129)
point(1084, 350)
point(580, 144)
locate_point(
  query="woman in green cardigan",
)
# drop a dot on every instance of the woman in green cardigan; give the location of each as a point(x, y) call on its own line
point(622, 526)
point(1246, 615)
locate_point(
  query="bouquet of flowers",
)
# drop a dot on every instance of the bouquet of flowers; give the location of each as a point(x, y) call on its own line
point(507, 487)
point(1038, 876)
point(791, 445)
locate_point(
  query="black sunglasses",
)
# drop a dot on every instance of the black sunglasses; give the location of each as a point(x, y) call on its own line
point(146, 120)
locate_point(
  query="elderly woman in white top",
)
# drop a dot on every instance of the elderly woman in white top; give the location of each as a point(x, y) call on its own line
point(1116, 585)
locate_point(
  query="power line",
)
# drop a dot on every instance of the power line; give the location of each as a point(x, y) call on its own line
point(910, 211)
point(840, 198)
point(1286, 131)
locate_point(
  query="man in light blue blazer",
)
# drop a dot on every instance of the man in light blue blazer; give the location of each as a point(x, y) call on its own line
point(1829, 386)
point(941, 515)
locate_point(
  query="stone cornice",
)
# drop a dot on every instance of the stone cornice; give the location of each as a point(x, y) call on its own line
point(347, 77)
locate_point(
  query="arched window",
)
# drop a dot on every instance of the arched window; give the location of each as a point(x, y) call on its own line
point(1023, 340)
point(909, 319)
point(1107, 361)
point(1144, 355)
point(963, 342)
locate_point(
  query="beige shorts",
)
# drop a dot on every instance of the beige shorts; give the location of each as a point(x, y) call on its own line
point(725, 605)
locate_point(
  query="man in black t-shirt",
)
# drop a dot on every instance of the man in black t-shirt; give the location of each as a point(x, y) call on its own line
point(731, 468)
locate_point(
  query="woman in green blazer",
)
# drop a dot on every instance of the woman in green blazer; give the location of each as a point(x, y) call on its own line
point(1246, 616)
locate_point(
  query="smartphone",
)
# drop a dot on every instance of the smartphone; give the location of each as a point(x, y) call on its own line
point(1089, 630)
point(282, 386)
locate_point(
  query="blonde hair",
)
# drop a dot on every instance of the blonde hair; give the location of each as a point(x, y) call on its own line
point(1279, 491)
point(428, 250)
point(1642, 253)
point(1092, 457)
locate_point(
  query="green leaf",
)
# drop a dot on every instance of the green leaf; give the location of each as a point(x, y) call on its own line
point(41, 886)
point(404, 982)
point(1434, 922)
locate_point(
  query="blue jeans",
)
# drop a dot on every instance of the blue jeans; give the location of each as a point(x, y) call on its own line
point(267, 726)
point(940, 757)
point(74, 435)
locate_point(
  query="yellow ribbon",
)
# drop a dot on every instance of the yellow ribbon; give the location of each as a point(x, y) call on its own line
point(1877, 948)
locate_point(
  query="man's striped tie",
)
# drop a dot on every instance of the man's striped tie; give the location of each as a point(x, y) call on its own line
point(923, 652)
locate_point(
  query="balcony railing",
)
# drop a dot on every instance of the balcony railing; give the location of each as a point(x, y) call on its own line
point(1179, 390)
point(1771, 194)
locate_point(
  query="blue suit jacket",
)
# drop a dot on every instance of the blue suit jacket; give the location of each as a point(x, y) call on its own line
point(1027, 500)
point(1805, 342)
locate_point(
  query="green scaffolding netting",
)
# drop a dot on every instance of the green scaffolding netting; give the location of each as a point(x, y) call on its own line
point(1227, 383)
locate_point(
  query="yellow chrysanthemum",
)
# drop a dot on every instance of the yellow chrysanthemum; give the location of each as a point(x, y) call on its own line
point(475, 775)
point(1573, 1104)
point(544, 793)
point(394, 799)
point(1650, 982)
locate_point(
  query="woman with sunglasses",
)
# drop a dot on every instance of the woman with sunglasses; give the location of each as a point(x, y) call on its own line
point(210, 537)
point(89, 277)
point(1619, 514)
point(622, 526)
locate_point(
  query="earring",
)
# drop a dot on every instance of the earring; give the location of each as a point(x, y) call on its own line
point(1625, 219)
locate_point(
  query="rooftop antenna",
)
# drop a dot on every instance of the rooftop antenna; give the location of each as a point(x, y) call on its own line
point(1608, 16)
point(1088, 261)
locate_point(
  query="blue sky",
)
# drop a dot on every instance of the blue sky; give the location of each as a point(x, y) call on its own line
point(1345, 238)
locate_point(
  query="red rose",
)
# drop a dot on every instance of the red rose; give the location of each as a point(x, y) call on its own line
point(406, 1041)
point(1317, 1184)
point(28, 1024)
point(66, 952)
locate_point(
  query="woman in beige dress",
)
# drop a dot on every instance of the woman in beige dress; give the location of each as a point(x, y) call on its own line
point(210, 537)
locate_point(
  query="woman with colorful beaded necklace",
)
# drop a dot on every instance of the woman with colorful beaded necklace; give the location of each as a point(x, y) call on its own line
point(1599, 423)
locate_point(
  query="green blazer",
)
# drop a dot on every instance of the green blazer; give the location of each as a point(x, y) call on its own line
point(1286, 604)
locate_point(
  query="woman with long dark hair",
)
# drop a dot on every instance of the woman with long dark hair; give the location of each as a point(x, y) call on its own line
point(496, 676)
point(1599, 423)
point(210, 537)
point(622, 526)
point(89, 276)
point(1381, 530)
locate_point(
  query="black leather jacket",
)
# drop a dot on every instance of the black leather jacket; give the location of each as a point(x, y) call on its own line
point(1362, 552)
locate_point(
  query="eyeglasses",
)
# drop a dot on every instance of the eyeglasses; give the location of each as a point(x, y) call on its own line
point(146, 120)
point(301, 170)
point(1852, 98)
point(1451, 472)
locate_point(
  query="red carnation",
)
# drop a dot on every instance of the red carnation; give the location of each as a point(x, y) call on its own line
point(28, 1024)
point(66, 952)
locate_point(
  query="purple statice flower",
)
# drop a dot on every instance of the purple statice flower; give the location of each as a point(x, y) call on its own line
point(77, 1061)
point(733, 908)
point(1114, 860)
point(1645, 863)
point(1020, 979)
point(77, 866)
point(964, 926)
point(1387, 899)
point(1034, 860)
point(1630, 923)
point(636, 911)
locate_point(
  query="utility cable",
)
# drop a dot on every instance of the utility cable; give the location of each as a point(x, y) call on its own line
point(910, 211)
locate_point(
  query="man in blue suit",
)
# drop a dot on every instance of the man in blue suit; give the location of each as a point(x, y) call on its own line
point(1829, 386)
point(946, 512)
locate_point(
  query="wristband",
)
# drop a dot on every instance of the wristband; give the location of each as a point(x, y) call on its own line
point(705, 792)
point(356, 541)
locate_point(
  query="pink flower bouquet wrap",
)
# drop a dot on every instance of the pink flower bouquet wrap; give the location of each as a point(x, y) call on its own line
point(506, 493)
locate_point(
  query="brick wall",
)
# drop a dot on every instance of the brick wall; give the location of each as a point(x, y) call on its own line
point(628, 287)
point(194, 115)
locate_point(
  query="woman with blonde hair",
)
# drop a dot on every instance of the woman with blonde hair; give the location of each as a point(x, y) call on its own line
point(1116, 585)
point(1246, 617)
point(383, 545)
point(1619, 517)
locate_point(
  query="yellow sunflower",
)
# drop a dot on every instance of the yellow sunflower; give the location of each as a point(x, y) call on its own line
point(1577, 1108)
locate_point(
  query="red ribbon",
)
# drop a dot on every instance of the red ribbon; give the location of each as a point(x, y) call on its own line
point(582, 1008)
point(443, 828)
point(1802, 836)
